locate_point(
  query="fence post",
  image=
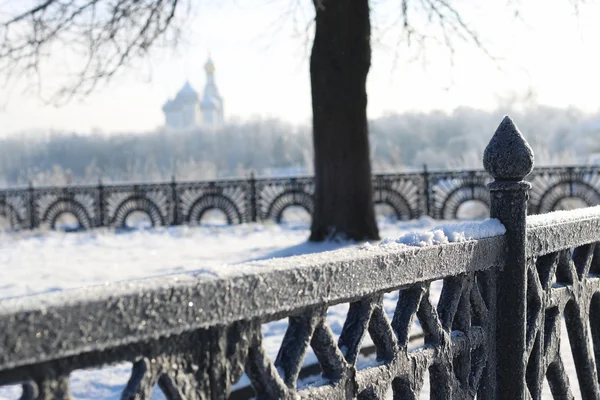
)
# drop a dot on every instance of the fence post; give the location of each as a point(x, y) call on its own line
point(571, 173)
point(426, 189)
point(31, 205)
point(508, 159)
point(175, 201)
point(253, 207)
point(100, 203)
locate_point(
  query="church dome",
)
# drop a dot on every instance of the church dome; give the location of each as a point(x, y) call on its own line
point(209, 66)
point(186, 94)
point(190, 108)
point(169, 106)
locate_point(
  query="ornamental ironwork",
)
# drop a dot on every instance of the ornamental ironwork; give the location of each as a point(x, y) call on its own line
point(438, 194)
point(492, 333)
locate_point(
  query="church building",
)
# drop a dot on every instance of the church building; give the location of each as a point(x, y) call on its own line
point(188, 110)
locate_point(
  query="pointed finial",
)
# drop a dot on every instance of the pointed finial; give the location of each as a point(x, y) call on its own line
point(508, 156)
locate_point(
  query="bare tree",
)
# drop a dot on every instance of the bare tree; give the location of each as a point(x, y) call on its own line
point(340, 62)
point(110, 34)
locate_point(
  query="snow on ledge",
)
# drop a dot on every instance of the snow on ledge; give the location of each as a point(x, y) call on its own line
point(562, 217)
point(450, 233)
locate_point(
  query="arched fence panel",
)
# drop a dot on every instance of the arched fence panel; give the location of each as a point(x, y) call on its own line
point(137, 204)
point(13, 208)
point(451, 190)
point(214, 201)
point(229, 197)
point(274, 196)
point(403, 193)
point(150, 202)
point(60, 207)
point(52, 204)
point(287, 199)
point(564, 188)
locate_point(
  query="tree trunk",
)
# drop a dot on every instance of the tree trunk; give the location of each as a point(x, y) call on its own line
point(339, 64)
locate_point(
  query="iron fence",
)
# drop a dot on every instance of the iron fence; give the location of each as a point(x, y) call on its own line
point(494, 333)
point(438, 194)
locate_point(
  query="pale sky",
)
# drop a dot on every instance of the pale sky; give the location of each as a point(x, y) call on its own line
point(262, 67)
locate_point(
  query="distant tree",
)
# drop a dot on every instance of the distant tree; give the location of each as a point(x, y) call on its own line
point(399, 143)
point(110, 34)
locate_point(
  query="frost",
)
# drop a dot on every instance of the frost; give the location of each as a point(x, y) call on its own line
point(56, 265)
point(561, 217)
point(344, 350)
point(281, 372)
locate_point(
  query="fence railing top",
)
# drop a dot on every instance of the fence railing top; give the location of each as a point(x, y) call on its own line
point(56, 325)
point(562, 217)
point(561, 230)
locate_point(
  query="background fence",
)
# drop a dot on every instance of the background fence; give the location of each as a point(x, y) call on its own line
point(439, 194)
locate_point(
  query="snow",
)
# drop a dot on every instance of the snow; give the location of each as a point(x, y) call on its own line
point(40, 262)
point(56, 261)
point(562, 217)
point(450, 233)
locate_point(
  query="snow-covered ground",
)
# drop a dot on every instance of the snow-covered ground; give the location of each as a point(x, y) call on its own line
point(38, 262)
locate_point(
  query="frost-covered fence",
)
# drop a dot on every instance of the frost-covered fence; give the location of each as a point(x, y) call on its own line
point(439, 194)
point(493, 332)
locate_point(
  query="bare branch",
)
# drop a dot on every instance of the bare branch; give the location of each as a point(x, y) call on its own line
point(97, 38)
point(32, 11)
